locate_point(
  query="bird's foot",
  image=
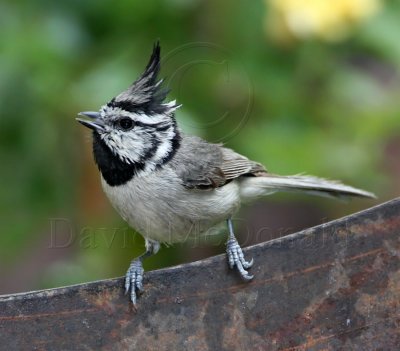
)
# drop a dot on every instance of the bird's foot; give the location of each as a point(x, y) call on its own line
point(134, 279)
point(236, 258)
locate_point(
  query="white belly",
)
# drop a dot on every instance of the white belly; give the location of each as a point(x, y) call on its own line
point(168, 212)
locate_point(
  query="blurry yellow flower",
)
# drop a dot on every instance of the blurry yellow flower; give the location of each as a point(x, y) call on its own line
point(329, 20)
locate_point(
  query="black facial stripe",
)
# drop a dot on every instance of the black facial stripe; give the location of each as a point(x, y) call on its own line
point(163, 128)
point(175, 144)
point(114, 170)
point(160, 127)
point(151, 151)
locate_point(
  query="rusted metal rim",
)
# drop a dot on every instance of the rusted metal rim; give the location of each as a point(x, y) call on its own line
point(334, 286)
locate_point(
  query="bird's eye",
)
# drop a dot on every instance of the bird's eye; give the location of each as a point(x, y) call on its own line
point(125, 123)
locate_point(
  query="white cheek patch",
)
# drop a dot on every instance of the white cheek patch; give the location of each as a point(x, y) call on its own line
point(128, 148)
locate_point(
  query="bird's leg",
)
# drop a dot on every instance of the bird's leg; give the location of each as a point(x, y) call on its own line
point(134, 275)
point(235, 254)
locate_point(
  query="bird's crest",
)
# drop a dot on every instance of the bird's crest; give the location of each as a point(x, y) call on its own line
point(146, 95)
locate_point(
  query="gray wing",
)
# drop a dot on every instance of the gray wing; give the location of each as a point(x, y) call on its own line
point(202, 165)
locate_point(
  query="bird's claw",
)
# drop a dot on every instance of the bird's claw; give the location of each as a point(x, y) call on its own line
point(236, 258)
point(134, 279)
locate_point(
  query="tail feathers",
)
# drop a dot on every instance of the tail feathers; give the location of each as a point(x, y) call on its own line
point(270, 183)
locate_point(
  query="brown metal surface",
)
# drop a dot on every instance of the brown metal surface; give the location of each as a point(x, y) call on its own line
point(332, 287)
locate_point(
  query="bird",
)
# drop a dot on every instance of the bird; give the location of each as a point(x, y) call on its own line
point(170, 186)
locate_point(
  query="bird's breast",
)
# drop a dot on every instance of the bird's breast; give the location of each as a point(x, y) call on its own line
point(160, 208)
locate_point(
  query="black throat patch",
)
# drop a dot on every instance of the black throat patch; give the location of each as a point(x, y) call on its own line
point(115, 171)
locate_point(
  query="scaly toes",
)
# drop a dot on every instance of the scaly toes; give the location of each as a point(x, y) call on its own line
point(134, 279)
point(246, 264)
point(243, 273)
point(236, 258)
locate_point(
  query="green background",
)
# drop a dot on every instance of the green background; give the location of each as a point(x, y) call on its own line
point(325, 108)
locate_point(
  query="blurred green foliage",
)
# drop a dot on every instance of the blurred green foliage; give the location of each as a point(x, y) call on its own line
point(324, 108)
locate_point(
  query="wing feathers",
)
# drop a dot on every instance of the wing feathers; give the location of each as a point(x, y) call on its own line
point(215, 166)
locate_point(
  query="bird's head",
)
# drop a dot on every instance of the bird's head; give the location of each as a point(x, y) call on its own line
point(137, 126)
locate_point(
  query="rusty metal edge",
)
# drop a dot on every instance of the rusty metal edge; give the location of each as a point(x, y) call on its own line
point(51, 292)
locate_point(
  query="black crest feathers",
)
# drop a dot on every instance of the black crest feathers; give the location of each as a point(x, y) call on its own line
point(153, 67)
point(145, 94)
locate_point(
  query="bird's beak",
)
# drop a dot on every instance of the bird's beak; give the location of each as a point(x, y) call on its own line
point(96, 123)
